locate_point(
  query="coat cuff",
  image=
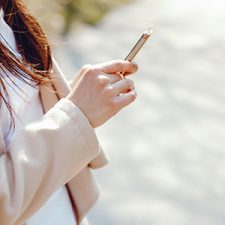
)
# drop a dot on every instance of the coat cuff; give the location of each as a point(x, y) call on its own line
point(81, 122)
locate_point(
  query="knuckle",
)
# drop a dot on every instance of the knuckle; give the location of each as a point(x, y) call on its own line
point(85, 67)
point(102, 80)
point(109, 90)
point(113, 105)
point(118, 64)
point(90, 70)
point(129, 83)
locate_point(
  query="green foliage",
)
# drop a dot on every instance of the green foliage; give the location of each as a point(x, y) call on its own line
point(86, 11)
point(66, 12)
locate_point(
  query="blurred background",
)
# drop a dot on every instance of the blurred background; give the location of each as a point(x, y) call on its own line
point(168, 149)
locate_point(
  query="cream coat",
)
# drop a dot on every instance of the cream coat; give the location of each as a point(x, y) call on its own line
point(61, 148)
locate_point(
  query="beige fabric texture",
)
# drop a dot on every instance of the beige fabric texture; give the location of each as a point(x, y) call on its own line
point(59, 149)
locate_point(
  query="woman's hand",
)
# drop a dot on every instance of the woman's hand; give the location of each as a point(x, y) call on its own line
point(100, 92)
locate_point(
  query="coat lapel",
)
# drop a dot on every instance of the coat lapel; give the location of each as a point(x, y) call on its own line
point(2, 144)
point(82, 188)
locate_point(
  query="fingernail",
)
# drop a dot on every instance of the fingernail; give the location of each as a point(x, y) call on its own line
point(135, 66)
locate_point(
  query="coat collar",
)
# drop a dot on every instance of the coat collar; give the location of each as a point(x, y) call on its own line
point(2, 144)
point(83, 189)
point(56, 90)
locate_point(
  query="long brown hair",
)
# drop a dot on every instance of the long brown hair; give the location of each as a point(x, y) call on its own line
point(32, 45)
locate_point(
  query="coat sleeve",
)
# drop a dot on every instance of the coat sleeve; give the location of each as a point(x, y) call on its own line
point(42, 158)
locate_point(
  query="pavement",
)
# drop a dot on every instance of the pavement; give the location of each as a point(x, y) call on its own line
point(167, 150)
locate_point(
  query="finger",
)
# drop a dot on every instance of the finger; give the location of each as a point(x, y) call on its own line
point(124, 73)
point(122, 86)
point(116, 66)
point(126, 99)
point(113, 77)
point(104, 79)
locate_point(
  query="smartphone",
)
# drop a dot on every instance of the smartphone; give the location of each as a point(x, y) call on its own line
point(137, 47)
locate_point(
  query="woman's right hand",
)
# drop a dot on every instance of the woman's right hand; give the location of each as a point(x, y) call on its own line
point(100, 92)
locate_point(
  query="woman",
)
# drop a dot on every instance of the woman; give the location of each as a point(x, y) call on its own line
point(47, 142)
